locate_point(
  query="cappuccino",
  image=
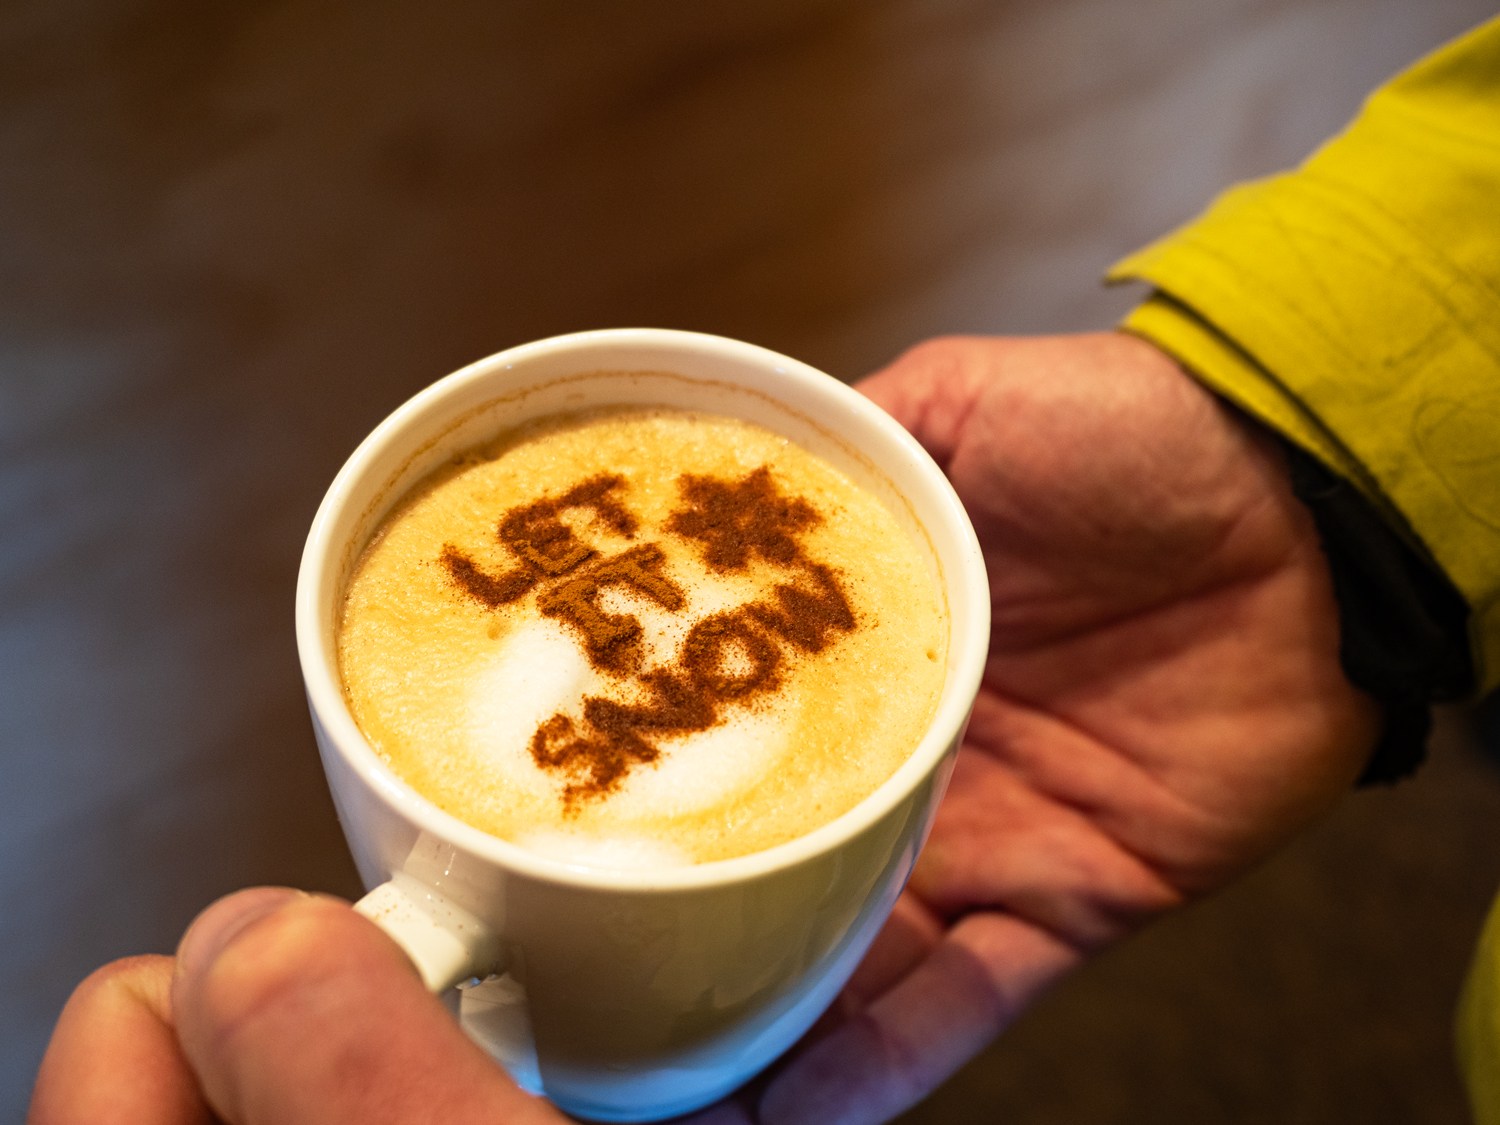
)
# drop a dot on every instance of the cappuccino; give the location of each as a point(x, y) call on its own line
point(643, 637)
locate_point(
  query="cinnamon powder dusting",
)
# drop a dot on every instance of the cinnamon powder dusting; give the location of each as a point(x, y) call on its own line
point(727, 658)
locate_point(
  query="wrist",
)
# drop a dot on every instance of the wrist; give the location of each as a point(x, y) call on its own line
point(1403, 625)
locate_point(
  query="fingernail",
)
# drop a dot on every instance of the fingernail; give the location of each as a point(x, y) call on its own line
point(216, 927)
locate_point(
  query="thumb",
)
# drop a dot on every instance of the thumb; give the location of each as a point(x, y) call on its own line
point(294, 1010)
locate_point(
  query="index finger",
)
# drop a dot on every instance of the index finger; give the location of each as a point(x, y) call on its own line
point(931, 389)
point(114, 1056)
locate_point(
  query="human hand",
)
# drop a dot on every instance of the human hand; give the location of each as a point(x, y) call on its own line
point(279, 1009)
point(1163, 704)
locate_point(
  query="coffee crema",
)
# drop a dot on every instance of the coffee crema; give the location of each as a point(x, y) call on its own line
point(643, 637)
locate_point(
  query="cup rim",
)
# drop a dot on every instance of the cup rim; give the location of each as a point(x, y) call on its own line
point(964, 572)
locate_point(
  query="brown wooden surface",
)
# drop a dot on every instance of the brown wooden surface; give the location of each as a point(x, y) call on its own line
point(234, 236)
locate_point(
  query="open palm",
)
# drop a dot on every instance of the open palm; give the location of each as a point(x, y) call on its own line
point(1162, 706)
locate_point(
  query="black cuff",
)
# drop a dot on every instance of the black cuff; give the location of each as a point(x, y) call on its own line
point(1404, 627)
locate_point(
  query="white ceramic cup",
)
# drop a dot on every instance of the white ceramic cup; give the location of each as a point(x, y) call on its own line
point(627, 995)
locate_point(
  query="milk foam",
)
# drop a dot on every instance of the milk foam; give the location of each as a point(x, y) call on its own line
point(452, 692)
point(539, 671)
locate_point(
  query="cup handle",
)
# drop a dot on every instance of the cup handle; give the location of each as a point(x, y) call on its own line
point(446, 943)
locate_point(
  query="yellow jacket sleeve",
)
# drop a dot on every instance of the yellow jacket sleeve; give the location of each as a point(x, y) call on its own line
point(1354, 305)
point(1479, 1025)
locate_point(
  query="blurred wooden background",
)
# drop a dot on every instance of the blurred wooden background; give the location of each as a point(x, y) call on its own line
point(233, 237)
